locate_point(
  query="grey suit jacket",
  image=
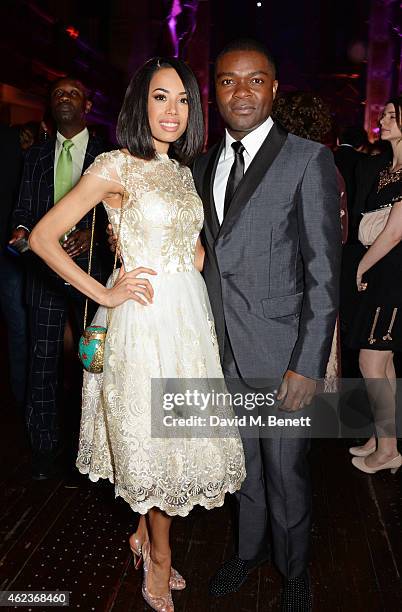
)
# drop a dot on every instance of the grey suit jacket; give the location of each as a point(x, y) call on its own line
point(272, 267)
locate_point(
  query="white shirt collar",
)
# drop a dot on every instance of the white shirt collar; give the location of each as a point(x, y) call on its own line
point(80, 140)
point(252, 142)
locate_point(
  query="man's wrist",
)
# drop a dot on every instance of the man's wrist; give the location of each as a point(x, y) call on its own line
point(290, 372)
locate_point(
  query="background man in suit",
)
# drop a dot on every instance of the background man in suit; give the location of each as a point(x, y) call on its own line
point(11, 267)
point(349, 153)
point(50, 171)
point(272, 240)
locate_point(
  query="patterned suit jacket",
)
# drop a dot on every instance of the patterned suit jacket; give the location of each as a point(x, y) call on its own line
point(36, 197)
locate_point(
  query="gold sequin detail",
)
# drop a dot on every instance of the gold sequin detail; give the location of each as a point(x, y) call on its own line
point(387, 177)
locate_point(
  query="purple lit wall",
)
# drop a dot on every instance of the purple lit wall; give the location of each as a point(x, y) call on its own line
point(384, 48)
point(188, 25)
point(182, 20)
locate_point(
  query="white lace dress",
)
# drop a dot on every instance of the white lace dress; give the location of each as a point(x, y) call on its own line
point(172, 338)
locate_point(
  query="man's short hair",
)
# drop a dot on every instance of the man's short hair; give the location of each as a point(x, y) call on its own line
point(248, 44)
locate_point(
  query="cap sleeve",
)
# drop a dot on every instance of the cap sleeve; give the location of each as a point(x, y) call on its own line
point(106, 166)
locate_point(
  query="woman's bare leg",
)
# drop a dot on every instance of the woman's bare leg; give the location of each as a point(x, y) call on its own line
point(390, 372)
point(376, 366)
point(159, 569)
point(372, 441)
point(141, 535)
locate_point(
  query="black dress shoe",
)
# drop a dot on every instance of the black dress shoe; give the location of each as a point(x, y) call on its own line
point(233, 574)
point(296, 594)
point(229, 578)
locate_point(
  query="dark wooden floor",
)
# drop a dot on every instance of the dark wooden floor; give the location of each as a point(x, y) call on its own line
point(53, 538)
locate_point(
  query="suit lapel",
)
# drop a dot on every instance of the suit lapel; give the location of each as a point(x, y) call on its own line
point(94, 148)
point(211, 218)
point(47, 163)
point(258, 168)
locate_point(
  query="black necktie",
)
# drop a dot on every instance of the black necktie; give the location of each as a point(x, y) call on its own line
point(236, 174)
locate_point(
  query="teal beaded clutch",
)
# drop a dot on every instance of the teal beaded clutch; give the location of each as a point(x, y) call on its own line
point(91, 348)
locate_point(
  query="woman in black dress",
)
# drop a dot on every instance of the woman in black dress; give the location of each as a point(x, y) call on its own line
point(377, 325)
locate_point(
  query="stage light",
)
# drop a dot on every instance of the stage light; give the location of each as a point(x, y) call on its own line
point(73, 32)
point(259, 4)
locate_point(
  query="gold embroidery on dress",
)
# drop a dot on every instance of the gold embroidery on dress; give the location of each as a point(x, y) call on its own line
point(388, 334)
point(371, 339)
point(387, 177)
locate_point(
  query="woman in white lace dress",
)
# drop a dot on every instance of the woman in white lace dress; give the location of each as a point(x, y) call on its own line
point(161, 324)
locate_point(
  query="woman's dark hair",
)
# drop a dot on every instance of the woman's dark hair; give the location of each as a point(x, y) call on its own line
point(133, 130)
point(397, 102)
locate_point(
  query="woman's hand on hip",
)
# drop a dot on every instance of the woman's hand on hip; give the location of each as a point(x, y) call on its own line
point(129, 286)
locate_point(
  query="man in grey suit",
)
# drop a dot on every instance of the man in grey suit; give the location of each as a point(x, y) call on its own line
point(272, 244)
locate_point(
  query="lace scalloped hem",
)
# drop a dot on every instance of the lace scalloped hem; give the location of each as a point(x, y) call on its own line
point(156, 502)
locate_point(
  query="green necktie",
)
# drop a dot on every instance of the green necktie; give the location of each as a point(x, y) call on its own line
point(64, 171)
point(64, 177)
